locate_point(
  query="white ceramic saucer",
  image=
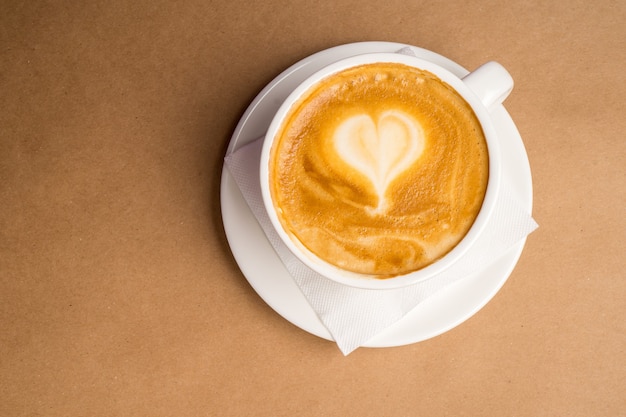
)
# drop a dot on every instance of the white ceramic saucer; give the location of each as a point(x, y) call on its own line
point(270, 279)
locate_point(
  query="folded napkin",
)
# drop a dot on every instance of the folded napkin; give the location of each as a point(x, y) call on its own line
point(352, 315)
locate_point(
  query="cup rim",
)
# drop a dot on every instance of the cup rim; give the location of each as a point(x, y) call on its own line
point(363, 281)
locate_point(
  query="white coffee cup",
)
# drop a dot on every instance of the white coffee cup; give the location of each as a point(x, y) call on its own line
point(482, 89)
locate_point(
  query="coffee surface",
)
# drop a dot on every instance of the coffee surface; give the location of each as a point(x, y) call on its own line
point(380, 169)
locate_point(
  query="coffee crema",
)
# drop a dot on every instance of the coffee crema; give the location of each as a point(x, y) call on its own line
point(380, 169)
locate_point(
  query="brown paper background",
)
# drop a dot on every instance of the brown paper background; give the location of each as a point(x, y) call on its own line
point(118, 292)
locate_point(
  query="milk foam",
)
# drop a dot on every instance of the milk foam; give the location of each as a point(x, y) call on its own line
point(379, 170)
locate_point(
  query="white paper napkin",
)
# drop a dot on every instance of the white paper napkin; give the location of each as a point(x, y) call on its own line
point(353, 316)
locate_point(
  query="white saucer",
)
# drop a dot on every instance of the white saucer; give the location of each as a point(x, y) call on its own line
point(268, 276)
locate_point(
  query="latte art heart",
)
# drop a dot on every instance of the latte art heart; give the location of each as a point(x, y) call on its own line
point(380, 149)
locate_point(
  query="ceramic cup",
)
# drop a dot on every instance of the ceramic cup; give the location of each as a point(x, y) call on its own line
point(482, 89)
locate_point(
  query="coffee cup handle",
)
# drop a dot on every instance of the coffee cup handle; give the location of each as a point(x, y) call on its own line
point(491, 82)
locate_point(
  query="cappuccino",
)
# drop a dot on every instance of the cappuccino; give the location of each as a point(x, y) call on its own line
point(380, 169)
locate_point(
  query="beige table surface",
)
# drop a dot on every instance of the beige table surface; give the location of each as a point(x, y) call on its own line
point(119, 295)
